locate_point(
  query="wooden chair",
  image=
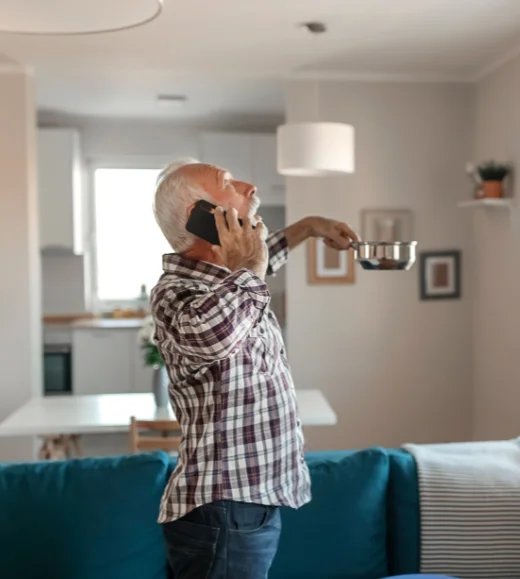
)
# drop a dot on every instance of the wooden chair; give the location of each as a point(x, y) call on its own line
point(167, 435)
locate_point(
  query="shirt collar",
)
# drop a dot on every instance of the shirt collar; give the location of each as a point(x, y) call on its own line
point(175, 263)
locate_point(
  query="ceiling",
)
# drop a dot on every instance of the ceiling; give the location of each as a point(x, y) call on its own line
point(231, 56)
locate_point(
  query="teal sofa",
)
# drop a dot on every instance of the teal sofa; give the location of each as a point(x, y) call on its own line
point(96, 519)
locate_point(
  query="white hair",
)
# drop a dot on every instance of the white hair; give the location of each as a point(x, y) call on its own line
point(174, 195)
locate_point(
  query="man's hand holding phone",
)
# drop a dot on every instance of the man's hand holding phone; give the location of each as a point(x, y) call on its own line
point(241, 247)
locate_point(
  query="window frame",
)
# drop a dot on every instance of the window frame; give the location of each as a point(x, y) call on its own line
point(98, 306)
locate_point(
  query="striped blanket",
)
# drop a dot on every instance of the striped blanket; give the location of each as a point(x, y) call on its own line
point(470, 508)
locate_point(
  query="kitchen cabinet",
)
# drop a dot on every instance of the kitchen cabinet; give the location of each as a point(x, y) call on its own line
point(230, 151)
point(60, 191)
point(108, 361)
point(271, 185)
point(249, 157)
point(101, 361)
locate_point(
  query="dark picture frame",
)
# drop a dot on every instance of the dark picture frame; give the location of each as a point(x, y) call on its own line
point(440, 275)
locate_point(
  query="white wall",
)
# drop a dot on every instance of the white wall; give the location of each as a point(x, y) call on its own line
point(20, 312)
point(394, 368)
point(497, 267)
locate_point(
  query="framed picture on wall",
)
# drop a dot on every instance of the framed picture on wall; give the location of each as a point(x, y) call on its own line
point(440, 275)
point(327, 266)
point(387, 225)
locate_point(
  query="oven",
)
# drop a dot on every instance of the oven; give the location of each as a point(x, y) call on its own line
point(57, 369)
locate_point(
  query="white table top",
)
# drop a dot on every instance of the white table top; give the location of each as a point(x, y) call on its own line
point(111, 413)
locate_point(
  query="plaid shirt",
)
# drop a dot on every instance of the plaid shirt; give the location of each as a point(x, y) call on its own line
point(231, 387)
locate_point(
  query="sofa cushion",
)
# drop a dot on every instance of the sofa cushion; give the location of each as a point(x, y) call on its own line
point(83, 519)
point(341, 533)
point(404, 520)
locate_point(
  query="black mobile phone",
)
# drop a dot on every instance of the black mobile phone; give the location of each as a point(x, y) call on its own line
point(201, 222)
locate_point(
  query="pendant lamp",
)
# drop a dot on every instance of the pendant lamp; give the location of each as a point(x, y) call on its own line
point(67, 17)
point(315, 149)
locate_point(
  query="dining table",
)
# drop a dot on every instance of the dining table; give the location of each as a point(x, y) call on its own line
point(62, 420)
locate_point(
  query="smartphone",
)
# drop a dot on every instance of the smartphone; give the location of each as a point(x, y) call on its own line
point(201, 222)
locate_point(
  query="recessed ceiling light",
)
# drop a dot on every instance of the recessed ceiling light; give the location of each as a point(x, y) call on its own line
point(63, 17)
point(171, 100)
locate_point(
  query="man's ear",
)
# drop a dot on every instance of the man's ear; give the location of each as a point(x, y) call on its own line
point(189, 210)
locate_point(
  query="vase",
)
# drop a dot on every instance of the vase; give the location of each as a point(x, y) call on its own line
point(160, 383)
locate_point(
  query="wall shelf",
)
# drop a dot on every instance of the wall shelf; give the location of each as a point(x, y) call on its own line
point(505, 203)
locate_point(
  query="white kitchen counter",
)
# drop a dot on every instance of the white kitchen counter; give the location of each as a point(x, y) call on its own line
point(107, 324)
point(111, 413)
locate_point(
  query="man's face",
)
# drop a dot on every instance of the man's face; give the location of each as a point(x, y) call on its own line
point(225, 191)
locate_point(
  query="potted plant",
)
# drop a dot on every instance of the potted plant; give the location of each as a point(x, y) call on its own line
point(152, 357)
point(492, 177)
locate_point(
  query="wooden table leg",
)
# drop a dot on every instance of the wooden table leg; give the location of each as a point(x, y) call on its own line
point(76, 443)
point(53, 448)
point(45, 451)
point(60, 447)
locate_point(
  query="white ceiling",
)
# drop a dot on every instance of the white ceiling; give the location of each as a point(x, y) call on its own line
point(231, 56)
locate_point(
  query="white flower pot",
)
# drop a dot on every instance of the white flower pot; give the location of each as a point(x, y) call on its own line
point(160, 383)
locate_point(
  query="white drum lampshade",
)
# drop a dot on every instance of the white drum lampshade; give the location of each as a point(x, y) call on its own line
point(315, 149)
point(63, 17)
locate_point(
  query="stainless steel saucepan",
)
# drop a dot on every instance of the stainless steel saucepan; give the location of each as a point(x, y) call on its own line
point(398, 255)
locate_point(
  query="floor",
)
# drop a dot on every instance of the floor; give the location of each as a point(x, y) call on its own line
point(105, 444)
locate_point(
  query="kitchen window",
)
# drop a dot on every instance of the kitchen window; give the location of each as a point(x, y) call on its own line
point(128, 244)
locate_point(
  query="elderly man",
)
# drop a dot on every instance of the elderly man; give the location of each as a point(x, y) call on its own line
point(241, 455)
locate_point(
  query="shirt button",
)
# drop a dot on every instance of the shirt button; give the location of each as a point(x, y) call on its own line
point(262, 331)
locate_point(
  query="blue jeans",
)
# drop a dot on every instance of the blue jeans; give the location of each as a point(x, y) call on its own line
point(223, 540)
